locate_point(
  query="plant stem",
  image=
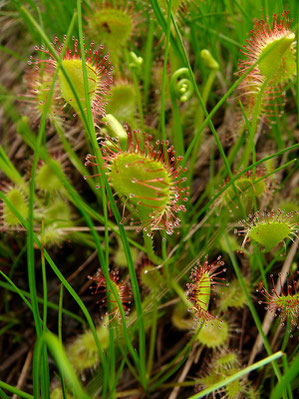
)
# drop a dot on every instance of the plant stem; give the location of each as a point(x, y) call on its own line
point(163, 131)
point(199, 120)
point(286, 335)
point(254, 124)
point(177, 83)
point(181, 293)
point(148, 60)
point(152, 344)
point(148, 243)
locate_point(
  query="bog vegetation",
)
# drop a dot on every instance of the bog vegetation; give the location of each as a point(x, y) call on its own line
point(148, 199)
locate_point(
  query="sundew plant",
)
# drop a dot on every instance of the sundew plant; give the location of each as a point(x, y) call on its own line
point(149, 199)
